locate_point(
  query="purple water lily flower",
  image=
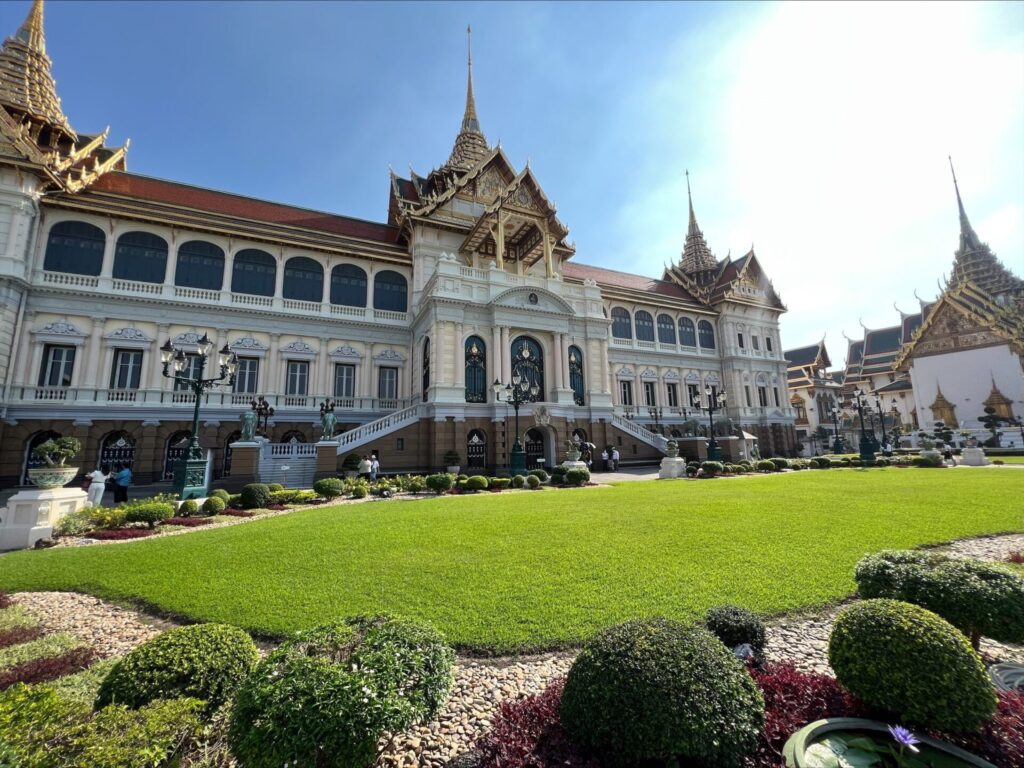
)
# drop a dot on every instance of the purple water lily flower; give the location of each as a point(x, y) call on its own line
point(904, 737)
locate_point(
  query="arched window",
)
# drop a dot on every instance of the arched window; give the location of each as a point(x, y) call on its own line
point(687, 333)
point(174, 449)
point(76, 247)
point(32, 461)
point(303, 279)
point(706, 334)
point(644, 326)
point(666, 330)
point(348, 286)
point(117, 448)
point(476, 449)
point(476, 370)
point(576, 382)
point(390, 291)
point(254, 273)
point(140, 256)
point(426, 367)
point(200, 265)
point(528, 363)
point(622, 324)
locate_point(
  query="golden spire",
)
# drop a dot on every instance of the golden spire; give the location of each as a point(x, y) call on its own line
point(31, 31)
point(469, 119)
point(697, 257)
point(470, 144)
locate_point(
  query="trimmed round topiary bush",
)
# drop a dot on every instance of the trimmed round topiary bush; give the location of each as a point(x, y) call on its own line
point(201, 661)
point(329, 487)
point(360, 492)
point(980, 599)
point(275, 487)
point(477, 483)
point(712, 468)
point(780, 464)
point(540, 474)
point(221, 494)
point(533, 481)
point(736, 626)
point(255, 496)
point(911, 662)
point(660, 690)
point(500, 483)
point(440, 483)
point(577, 476)
point(188, 508)
point(518, 481)
point(766, 465)
point(148, 512)
point(325, 697)
point(214, 505)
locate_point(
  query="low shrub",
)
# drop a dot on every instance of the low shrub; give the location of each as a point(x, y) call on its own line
point(274, 487)
point(477, 483)
point(48, 668)
point(232, 512)
point(855, 462)
point(460, 483)
point(235, 500)
point(625, 692)
point(416, 484)
point(200, 661)
point(540, 474)
point(188, 522)
point(107, 518)
point(440, 483)
point(533, 481)
point(1001, 739)
point(188, 508)
point(500, 483)
point(329, 487)
point(41, 729)
point(712, 468)
point(75, 523)
point(286, 496)
point(882, 462)
point(149, 512)
point(766, 465)
point(558, 471)
point(360, 492)
point(980, 599)
point(737, 626)
point(780, 464)
point(577, 476)
point(214, 505)
point(307, 703)
point(18, 635)
point(518, 481)
point(254, 496)
point(220, 493)
point(928, 462)
point(305, 496)
point(121, 534)
point(384, 489)
point(998, 462)
point(911, 662)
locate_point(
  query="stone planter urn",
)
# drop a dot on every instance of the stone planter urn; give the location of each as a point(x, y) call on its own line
point(862, 742)
point(672, 449)
point(52, 477)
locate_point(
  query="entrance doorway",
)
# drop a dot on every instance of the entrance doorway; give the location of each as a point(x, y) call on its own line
point(534, 448)
point(476, 450)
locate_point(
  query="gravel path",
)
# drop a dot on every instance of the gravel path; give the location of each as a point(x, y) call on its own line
point(481, 685)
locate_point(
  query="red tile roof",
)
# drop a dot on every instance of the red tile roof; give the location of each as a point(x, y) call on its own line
point(611, 277)
point(227, 204)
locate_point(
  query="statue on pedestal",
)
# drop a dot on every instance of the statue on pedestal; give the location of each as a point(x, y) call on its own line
point(328, 421)
point(248, 426)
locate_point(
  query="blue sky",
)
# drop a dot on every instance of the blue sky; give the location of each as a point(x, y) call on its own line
point(816, 131)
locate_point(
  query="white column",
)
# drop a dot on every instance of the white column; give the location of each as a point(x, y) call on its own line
point(606, 379)
point(559, 375)
point(37, 361)
point(323, 381)
point(279, 279)
point(93, 350)
point(159, 382)
point(458, 356)
point(172, 264)
point(229, 270)
point(506, 356)
point(366, 373)
point(271, 377)
point(107, 269)
point(494, 357)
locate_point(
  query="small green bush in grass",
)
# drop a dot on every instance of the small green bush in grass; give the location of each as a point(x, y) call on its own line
point(200, 661)
point(780, 464)
point(736, 626)
point(440, 483)
point(81, 687)
point(500, 483)
point(577, 476)
point(150, 512)
point(286, 496)
point(927, 462)
point(75, 523)
point(255, 496)
point(533, 481)
point(304, 496)
point(477, 483)
point(626, 693)
point(416, 484)
point(188, 508)
point(274, 487)
point(540, 474)
point(360, 492)
point(911, 662)
point(329, 487)
point(558, 471)
point(325, 697)
point(712, 468)
point(214, 505)
point(221, 494)
point(766, 465)
point(518, 481)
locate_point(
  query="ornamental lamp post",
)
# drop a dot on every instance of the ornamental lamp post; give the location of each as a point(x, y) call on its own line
point(714, 403)
point(190, 470)
point(837, 443)
point(881, 420)
point(264, 413)
point(655, 413)
point(867, 451)
point(517, 392)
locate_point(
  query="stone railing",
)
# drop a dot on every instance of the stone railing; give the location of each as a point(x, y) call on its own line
point(374, 429)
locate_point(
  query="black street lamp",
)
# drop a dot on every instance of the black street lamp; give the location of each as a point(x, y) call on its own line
point(264, 413)
point(519, 391)
point(715, 403)
point(881, 419)
point(837, 443)
point(190, 469)
point(867, 450)
point(655, 413)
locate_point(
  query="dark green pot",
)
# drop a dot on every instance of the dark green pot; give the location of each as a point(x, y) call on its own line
point(798, 744)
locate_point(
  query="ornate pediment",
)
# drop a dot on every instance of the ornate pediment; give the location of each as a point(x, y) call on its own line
point(60, 328)
point(128, 334)
point(389, 355)
point(248, 344)
point(950, 330)
point(298, 347)
point(346, 350)
point(533, 300)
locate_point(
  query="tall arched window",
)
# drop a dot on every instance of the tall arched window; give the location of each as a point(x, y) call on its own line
point(666, 330)
point(426, 367)
point(303, 279)
point(644, 326)
point(390, 291)
point(140, 256)
point(476, 449)
point(622, 324)
point(687, 333)
point(576, 382)
point(348, 286)
point(200, 265)
point(254, 273)
point(476, 370)
point(706, 334)
point(528, 363)
point(76, 247)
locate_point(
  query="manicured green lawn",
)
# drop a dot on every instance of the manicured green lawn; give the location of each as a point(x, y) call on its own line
point(1008, 459)
point(546, 569)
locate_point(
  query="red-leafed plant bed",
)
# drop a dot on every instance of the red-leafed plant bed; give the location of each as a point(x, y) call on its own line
point(276, 507)
point(9, 637)
point(1001, 740)
point(5, 600)
point(120, 534)
point(232, 512)
point(190, 522)
point(1016, 557)
point(50, 668)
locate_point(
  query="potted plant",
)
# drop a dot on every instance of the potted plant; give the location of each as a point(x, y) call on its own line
point(842, 741)
point(56, 454)
point(452, 461)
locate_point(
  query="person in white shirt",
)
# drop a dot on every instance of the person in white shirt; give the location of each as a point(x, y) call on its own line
point(615, 459)
point(98, 485)
point(364, 467)
point(374, 467)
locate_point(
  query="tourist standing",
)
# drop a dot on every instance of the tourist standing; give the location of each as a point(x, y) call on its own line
point(615, 459)
point(98, 484)
point(364, 468)
point(122, 481)
point(604, 459)
point(374, 467)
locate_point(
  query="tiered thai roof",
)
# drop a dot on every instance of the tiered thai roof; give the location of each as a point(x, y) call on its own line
point(627, 282)
point(808, 367)
point(36, 133)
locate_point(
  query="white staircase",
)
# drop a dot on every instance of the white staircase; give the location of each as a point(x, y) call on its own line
point(347, 441)
point(654, 440)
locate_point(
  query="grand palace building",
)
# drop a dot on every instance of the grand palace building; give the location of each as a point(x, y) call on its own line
point(404, 324)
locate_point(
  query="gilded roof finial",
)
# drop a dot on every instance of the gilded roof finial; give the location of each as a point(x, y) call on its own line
point(968, 238)
point(697, 257)
point(469, 120)
point(31, 31)
point(470, 144)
